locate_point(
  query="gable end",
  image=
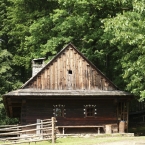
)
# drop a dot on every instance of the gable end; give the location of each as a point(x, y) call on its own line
point(70, 70)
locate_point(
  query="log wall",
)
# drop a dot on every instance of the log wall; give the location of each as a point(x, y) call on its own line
point(106, 112)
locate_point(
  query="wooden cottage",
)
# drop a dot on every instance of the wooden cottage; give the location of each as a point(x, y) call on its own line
point(73, 90)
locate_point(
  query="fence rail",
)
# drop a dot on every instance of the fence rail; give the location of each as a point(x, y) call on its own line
point(42, 130)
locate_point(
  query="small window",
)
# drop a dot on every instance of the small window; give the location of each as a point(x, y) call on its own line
point(58, 110)
point(69, 71)
point(90, 110)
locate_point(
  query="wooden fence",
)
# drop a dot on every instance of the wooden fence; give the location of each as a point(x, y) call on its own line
point(40, 131)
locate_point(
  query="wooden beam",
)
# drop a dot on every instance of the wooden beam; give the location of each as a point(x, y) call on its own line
point(11, 111)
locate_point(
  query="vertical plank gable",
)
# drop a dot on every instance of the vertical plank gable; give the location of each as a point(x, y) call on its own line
point(70, 70)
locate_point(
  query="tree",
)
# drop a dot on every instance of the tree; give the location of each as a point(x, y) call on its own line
point(78, 22)
point(6, 81)
point(125, 33)
point(7, 78)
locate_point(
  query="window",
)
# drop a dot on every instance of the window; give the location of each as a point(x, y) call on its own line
point(90, 110)
point(69, 71)
point(59, 110)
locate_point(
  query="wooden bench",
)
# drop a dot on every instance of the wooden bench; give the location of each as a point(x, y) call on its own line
point(94, 126)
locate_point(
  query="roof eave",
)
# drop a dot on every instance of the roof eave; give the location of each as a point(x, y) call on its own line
point(33, 92)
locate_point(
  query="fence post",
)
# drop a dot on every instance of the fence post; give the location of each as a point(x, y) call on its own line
point(38, 127)
point(53, 129)
point(18, 130)
point(41, 131)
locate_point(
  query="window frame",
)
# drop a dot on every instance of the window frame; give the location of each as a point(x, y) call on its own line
point(58, 108)
point(88, 112)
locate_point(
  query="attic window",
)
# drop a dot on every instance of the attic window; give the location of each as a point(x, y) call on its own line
point(69, 71)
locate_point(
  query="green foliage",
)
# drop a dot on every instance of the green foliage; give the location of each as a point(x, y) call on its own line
point(6, 82)
point(78, 22)
point(7, 78)
point(4, 120)
point(126, 32)
point(103, 139)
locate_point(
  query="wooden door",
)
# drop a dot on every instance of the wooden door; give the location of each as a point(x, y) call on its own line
point(122, 113)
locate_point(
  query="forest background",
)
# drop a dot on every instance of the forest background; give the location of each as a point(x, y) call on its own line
point(110, 33)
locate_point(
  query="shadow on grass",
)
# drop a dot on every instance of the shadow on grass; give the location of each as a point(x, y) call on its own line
point(138, 129)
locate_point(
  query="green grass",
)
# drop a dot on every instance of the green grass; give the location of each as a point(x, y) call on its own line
point(83, 141)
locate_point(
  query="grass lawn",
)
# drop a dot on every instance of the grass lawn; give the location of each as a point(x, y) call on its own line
point(83, 141)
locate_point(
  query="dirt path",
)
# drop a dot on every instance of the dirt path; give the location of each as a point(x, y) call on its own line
point(132, 141)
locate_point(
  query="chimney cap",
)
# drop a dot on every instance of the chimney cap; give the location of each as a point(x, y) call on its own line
point(39, 59)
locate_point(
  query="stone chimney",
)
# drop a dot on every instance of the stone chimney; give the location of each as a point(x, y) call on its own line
point(37, 65)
